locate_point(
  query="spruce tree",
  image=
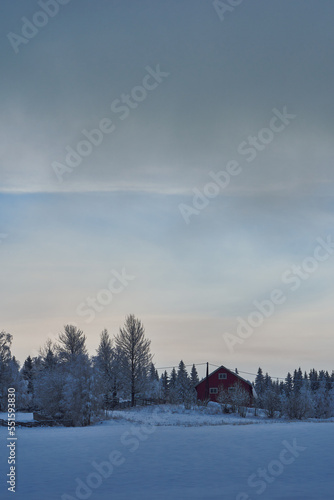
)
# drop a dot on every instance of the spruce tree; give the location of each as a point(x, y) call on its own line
point(194, 376)
point(259, 383)
point(27, 374)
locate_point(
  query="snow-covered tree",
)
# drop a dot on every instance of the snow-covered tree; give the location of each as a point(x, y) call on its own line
point(5, 359)
point(82, 398)
point(5, 347)
point(259, 386)
point(313, 378)
point(136, 356)
point(48, 357)
point(66, 386)
point(153, 388)
point(27, 373)
point(240, 399)
point(10, 374)
point(164, 386)
point(182, 382)
point(49, 387)
point(267, 382)
point(194, 376)
point(288, 386)
point(271, 401)
point(236, 398)
point(297, 380)
point(185, 391)
point(321, 400)
point(103, 370)
point(173, 393)
point(71, 343)
point(224, 399)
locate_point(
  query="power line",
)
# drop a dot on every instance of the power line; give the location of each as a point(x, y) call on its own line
point(171, 367)
point(239, 371)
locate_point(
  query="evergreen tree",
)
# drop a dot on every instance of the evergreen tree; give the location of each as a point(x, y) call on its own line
point(313, 377)
point(164, 383)
point(182, 382)
point(103, 367)
point(288, 386)
point(10, 374)
point(48, 357)
point(82, 398)
point(297, 381)
point(173, 395)
point(259, 383)
point(28, 374)
point(153, 376)
point(267, 382)
point(154, 386)
point(194, 376)
point(185, 391)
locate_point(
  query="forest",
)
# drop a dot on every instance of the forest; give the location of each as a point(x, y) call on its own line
point(64, 383)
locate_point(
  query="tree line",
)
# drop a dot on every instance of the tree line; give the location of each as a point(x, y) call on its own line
point(64, 383)
point(300, 395)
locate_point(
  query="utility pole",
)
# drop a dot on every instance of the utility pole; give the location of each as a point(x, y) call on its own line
point(207, 383)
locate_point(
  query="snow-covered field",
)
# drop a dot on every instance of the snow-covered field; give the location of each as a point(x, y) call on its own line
point(158, 454)
point(176, 415)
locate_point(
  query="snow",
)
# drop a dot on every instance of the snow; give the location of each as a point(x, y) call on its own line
point(177, 415)
point(184, 455)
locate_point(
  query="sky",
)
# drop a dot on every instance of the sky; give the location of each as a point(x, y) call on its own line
point(173, 160)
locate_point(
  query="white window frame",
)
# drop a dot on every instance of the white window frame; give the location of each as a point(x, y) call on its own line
point(222, 376)
point(213, 390)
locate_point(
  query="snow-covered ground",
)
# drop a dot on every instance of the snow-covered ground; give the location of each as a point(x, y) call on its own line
point(177, 415)
point(149, 454)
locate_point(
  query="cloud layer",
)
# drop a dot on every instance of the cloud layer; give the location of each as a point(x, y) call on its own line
point(87, 70)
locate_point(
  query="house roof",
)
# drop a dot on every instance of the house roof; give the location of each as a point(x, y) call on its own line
point(229, 371)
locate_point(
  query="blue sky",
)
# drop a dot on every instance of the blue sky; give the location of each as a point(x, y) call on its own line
point(120, 207)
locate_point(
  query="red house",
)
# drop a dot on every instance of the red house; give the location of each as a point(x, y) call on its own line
point(209, 387)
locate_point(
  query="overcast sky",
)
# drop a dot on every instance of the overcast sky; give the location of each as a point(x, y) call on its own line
point(131, 220)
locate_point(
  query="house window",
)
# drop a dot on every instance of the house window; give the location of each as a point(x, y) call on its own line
point(213, 390)
point(222, 376)
point(231, 389)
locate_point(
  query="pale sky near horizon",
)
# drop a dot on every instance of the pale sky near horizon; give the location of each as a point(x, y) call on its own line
point(181, 94)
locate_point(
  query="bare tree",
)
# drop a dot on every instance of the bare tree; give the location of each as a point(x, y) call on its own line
point(71, 343)
point(271, 402)
point(136, 356)
point(224, 399)
point(237, 398)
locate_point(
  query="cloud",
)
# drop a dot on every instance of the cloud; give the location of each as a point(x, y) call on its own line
point(120, 206)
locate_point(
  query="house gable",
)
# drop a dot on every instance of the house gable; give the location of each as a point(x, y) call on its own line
point(221, 377)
